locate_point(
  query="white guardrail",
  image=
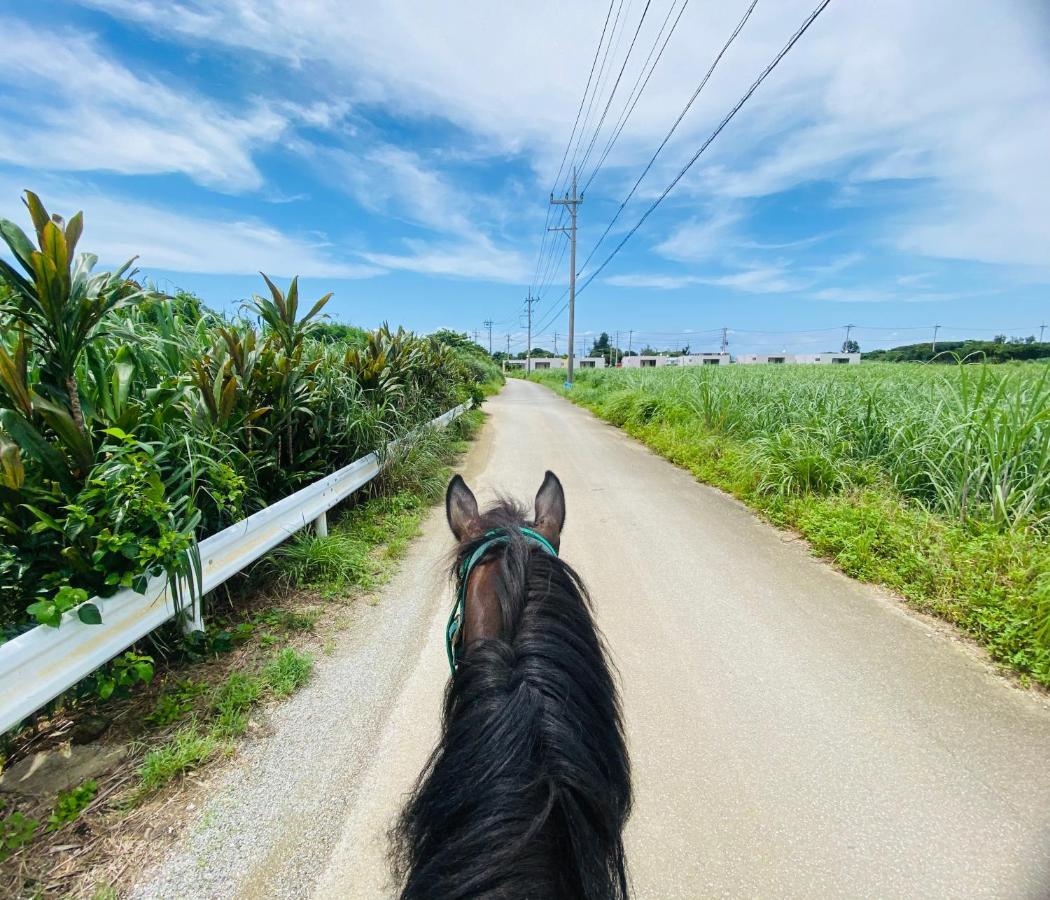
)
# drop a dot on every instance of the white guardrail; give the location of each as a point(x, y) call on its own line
point(37, 666)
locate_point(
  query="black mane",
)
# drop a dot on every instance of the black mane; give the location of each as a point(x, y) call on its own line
point(528, 790)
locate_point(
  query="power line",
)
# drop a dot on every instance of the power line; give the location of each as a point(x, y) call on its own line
point(597, 50)
point(616, 84)
point(632, 98)
point(725, 121)
point(594, 93)
point(568, 144)
point(674, 127)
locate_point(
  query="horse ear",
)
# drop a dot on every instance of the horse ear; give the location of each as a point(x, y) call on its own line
point(461, 508)
point(550, 508)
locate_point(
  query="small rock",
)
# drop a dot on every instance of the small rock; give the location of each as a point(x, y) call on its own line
point(89, 728)
point(50, 772)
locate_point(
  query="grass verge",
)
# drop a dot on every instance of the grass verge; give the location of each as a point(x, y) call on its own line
point(259, 648)
point(992, 583)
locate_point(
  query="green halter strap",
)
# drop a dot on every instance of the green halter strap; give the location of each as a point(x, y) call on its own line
point(455, 620)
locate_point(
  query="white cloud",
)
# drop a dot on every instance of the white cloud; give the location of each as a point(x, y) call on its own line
point(955, 101)
point(397, 183)
point(653, 280)
point(80, 109)
point(697, 239)
point(478, 258)
point(117, 229)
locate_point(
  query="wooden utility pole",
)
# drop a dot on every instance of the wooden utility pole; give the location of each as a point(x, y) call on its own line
point(488, 323)
point(528, 346)
point(571, 202)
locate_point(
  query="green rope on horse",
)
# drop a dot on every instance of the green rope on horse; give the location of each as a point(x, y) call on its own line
point(455, 620)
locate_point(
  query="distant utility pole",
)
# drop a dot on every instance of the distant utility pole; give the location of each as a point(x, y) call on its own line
point(555, 343)
point(475, 335)
point(571, 202)
point(616, 350)
point(1042, 328)
point(528, 346)
point(630, 341)
point(725, 341)
point(845, 343)
point(488, 323)
point(936, 328)
point(508, 345)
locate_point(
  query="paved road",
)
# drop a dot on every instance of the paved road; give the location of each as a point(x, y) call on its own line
point(794, 734)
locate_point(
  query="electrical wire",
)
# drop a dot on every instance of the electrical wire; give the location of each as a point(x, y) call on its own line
point(572, 134)
point(616, 84)
point(674, 127)
point(632, 98)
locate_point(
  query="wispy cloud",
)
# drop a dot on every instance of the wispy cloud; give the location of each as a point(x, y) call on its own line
point(80, 109)
point(117, 228)
point(476, 259)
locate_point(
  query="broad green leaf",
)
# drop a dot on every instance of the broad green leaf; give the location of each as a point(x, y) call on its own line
point(16, 239)
point(89, 614)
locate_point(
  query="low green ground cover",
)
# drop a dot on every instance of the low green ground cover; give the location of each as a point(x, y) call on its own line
point(933, 481)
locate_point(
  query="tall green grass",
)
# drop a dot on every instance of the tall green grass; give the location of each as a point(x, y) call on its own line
point(932, 480)
point(968, 442)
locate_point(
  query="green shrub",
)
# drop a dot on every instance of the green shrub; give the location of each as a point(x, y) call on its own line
point(71, 804)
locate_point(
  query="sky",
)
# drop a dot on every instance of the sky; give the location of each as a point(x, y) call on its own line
point(890, 173)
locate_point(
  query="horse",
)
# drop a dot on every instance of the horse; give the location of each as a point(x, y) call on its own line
point(528, 790)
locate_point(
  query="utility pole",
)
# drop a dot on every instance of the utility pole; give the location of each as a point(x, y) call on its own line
point(1042, 328)
point(528, 347)
point(555, 343)
point(936, 328)
point(845, 343)
point(725, 342)
point(630, 341)
point(488, 323)
point(475, 335)
point(570, 202)
point(508, 346)
point(616, 351)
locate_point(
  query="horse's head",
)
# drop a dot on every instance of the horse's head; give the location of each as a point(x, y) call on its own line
point(528, 790)
point(480, 535)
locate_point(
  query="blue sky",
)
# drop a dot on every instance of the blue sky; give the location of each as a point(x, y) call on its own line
point(891, 173)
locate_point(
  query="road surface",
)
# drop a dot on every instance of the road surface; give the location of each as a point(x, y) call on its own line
point(793, 733)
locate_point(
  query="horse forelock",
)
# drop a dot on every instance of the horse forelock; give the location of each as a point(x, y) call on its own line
point(528, 790)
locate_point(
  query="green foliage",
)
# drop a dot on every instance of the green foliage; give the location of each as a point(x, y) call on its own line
point(998, 350)
point(288, 671)
point(188, 748)
point(71, 804)
point(305, 560)
point(934, 481)
point(121, 673)
point(133, 424)
point(16, 830)
point(175, 703)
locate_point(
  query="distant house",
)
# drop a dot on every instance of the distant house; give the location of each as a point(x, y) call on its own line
point(691, 359)
point(538, 363)
point(821, 359)
point(555, 362)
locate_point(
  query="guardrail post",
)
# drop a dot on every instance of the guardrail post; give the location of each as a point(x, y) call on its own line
point(192, 620)
point(321, 525)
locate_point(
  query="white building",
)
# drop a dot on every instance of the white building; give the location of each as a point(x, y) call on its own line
point(692, 359)
point(644, 362)
point(800, 359)
point(702, 359)
point(555, 362)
